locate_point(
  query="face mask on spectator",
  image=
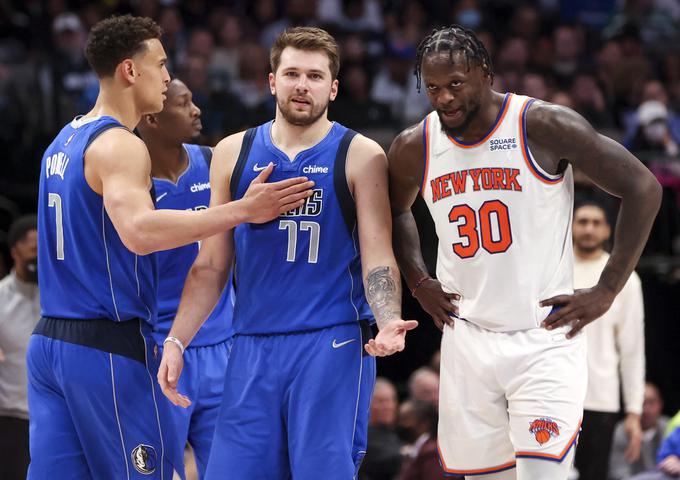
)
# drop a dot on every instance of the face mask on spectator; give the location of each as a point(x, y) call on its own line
point(32, 270)
point(655, 132)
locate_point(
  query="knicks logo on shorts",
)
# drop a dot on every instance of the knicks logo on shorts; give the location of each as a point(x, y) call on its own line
point(144, 459)
point(543, 429)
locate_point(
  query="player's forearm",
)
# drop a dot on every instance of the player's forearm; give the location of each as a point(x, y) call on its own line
point(382, 284)
point(157, 230)
point(636, 217)
point(202, 290)
point(407, 250)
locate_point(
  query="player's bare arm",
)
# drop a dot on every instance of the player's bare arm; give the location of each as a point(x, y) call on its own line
point(367, 177)
point(207, 277)
point(118, 167)
point(405, 173)
point(558, 135)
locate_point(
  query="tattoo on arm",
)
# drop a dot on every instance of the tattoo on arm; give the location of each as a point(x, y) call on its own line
point(382, 293)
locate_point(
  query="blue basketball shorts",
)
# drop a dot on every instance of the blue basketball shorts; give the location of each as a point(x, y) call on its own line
point(98, 414)
point(295, 406)
point(202, 380)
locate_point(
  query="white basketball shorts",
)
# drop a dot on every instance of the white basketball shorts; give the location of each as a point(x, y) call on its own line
point(507, 395)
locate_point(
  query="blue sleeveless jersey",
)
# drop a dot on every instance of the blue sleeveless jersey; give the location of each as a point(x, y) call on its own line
point(84, 270)
point(192, 192)
point(301, 271)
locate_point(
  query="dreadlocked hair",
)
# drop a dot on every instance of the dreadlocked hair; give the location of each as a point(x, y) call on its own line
point(453, 39)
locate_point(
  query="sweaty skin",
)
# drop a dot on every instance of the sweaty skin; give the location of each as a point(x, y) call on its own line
point(558, 136)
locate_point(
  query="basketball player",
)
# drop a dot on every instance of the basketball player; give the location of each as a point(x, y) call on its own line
point(95, 409)
point(496, 173)
point(181, 177)
point(298, 384)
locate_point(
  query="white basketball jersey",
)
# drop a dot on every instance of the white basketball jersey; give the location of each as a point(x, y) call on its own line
point(504, 224)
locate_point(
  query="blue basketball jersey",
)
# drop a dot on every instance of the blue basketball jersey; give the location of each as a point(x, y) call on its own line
point(191, 192)
point(301, 271)
point(84, 269)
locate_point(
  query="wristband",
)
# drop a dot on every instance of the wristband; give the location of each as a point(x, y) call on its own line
point(176, 341)
point(418, 284)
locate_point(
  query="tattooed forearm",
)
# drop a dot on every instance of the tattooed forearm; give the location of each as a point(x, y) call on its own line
point(383, 292)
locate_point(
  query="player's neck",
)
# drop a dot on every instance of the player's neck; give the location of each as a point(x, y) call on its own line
point(485, 118)
point(115, 103)
point(588, 256)
point(292, 139)
point(167, 161)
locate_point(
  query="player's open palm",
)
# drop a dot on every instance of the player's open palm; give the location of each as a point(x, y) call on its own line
point(168, 375)
point(437, 303)
point(266, 201)
point(391, 338)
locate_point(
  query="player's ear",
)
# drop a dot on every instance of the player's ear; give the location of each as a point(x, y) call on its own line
point(127, 70)
point(334, 89)
point(272, 83)
point(149, 120)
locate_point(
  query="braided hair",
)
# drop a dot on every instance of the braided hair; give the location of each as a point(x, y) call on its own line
point(453, 39)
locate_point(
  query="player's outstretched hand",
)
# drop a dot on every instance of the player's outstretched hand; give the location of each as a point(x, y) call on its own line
point(579, 309)
point(437, 302)
point(266, 201)
point(391, 338)
point(169, 372)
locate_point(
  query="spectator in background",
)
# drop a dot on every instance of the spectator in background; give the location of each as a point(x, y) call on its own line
point(395, 86)
point(615, 351)
point(383, 453)
point(355, 106)
point(653, 427)
point(418, 427)
point(654, 134)
point(589, 100)
point(423, 385)
point(19, 313)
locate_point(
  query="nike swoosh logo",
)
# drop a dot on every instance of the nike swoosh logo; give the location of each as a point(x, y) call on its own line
point(161, 196)
point(342, 344)
point(257, 168)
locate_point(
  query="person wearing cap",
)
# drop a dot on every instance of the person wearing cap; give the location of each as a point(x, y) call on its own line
point(653, 133)
point(19, 313)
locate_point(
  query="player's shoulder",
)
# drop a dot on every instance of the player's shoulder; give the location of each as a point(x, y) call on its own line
point(408, 144)
point(550, 122)
point(117, 141)
point(363, 146)
point(229, 145)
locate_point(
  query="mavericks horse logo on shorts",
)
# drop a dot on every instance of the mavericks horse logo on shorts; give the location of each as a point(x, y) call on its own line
point(543, 429)
point(144, 459)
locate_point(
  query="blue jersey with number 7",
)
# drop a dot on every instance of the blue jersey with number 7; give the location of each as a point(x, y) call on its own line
point(84, 270)
point(301, 271)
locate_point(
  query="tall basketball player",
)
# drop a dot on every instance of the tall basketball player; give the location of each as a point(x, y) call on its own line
point(496, 173)
point(298, 384)
point(95, 409)
point(181, 178)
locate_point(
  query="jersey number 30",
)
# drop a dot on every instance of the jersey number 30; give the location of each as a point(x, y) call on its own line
point(482, 231)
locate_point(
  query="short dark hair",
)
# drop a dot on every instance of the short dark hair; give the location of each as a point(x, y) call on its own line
point(595, 204)
point(311, 39)
point(20, 228)
point(454, 39)
point(119, 37)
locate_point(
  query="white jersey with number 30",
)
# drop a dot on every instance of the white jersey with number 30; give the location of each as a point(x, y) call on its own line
point(504, 224)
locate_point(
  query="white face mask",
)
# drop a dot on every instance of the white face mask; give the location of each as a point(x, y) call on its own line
point(656, 132)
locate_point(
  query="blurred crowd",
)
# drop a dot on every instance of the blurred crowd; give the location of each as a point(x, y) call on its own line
point(617, 62)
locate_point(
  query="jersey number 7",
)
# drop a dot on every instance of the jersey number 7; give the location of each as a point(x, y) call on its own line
point(476, 232)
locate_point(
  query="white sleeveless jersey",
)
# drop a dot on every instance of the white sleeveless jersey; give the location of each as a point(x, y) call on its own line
point(503, 223)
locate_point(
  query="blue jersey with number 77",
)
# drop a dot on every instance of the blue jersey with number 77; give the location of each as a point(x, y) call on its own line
point(301, 271)
point(84, 269)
